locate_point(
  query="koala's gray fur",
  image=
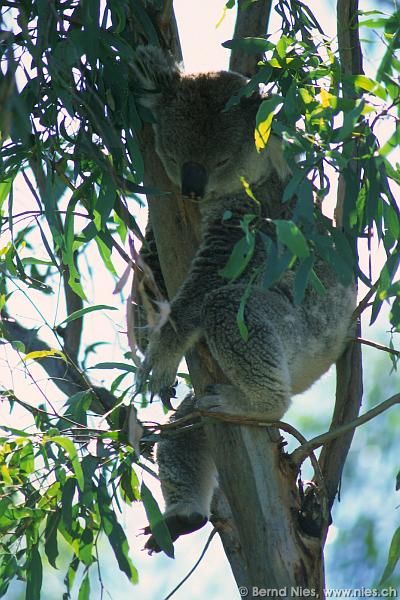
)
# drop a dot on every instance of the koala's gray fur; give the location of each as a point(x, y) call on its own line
point(206, 151)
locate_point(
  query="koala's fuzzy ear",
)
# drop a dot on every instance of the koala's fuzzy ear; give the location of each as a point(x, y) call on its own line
point(156, 72)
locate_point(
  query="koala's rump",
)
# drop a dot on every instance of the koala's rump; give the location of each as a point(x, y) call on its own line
point(304, 339)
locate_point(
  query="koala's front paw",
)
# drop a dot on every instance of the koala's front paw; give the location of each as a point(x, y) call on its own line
point(160, 366)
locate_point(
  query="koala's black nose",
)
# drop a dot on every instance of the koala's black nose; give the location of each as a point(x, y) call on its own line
point(194, 180)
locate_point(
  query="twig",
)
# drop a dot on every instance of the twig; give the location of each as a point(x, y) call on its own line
point(302, 452)
point(67, 377)
point(192, 570)
point(377, 346)
point(365, 301)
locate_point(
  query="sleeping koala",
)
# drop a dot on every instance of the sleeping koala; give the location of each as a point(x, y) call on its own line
point(208, 153)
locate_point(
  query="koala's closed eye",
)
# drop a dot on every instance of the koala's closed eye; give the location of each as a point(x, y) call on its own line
point(172, 159)
point(222, 162)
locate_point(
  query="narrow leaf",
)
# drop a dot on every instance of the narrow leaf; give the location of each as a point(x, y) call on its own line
point(264, 117)
point(290, 235)
point(84, 590)
point(394, 556)
point(50, 534)
point(34, 575)
point(36, 354)
point(83, 311)
point(70, 449)
point(115, 534)
point(240, 257)
point(157, 524)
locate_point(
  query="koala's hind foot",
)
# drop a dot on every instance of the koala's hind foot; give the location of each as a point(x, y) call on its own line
point(188, 477)
point(226, 400)
point(178, 525)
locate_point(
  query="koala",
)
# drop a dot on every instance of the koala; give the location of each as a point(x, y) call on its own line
point(208, 153)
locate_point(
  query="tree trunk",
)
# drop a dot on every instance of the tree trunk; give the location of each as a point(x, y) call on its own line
point(255, 475)
point(257, 516)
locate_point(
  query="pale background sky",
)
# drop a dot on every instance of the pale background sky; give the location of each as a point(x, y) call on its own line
point(202, 50)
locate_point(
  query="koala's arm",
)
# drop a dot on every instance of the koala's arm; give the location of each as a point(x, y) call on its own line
point(148, 253)
point(168, 346)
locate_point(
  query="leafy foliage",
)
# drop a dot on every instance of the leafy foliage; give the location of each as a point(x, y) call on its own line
point(55, 485)
point(328, 120)
point(69, 129)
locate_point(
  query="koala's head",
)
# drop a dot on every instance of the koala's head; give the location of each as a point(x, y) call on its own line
point(204, 149)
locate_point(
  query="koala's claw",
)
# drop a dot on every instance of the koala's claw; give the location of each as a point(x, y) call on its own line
point(142, 375)
point(166, 393)
point(178, 525)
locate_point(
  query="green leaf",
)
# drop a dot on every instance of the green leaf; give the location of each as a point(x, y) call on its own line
point(394, 556)
point(115, 365)
point(240, 320)
point(301, 279)
point(349, 123)
point(249, 45)
point(262, 76)
point(70, 449)
point(106, 199)
point(104, 245)
point(84, 590)
point(365, 83)
point(50, 534)
point(30, 260)
point(130, 485)
point(26, 459)
point(34, 575)
point(317, 283)
point(115, 534)
point(157, 524)
point(70, 575)
point(78, 406)
point(277, 262)
point(290, 235)
point(18, 346)
point(392, 143)
point(83, 311)
point(68, 491)
point(86, 547)
point(264, 117)
point(240, 257)
point(5, 188)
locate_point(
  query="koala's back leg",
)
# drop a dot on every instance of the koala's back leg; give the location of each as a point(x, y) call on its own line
point(188, 478)
point(257, 368)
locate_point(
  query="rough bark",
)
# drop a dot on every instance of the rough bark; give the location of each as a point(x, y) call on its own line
point(251, 21)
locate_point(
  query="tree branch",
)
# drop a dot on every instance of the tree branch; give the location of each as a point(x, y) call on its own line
point(252, 20)
point(301, 453)
point(67, 377)
point(349, 387)
point(378, 346)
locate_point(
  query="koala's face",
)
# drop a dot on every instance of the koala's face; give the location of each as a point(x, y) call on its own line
point(205, 149)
